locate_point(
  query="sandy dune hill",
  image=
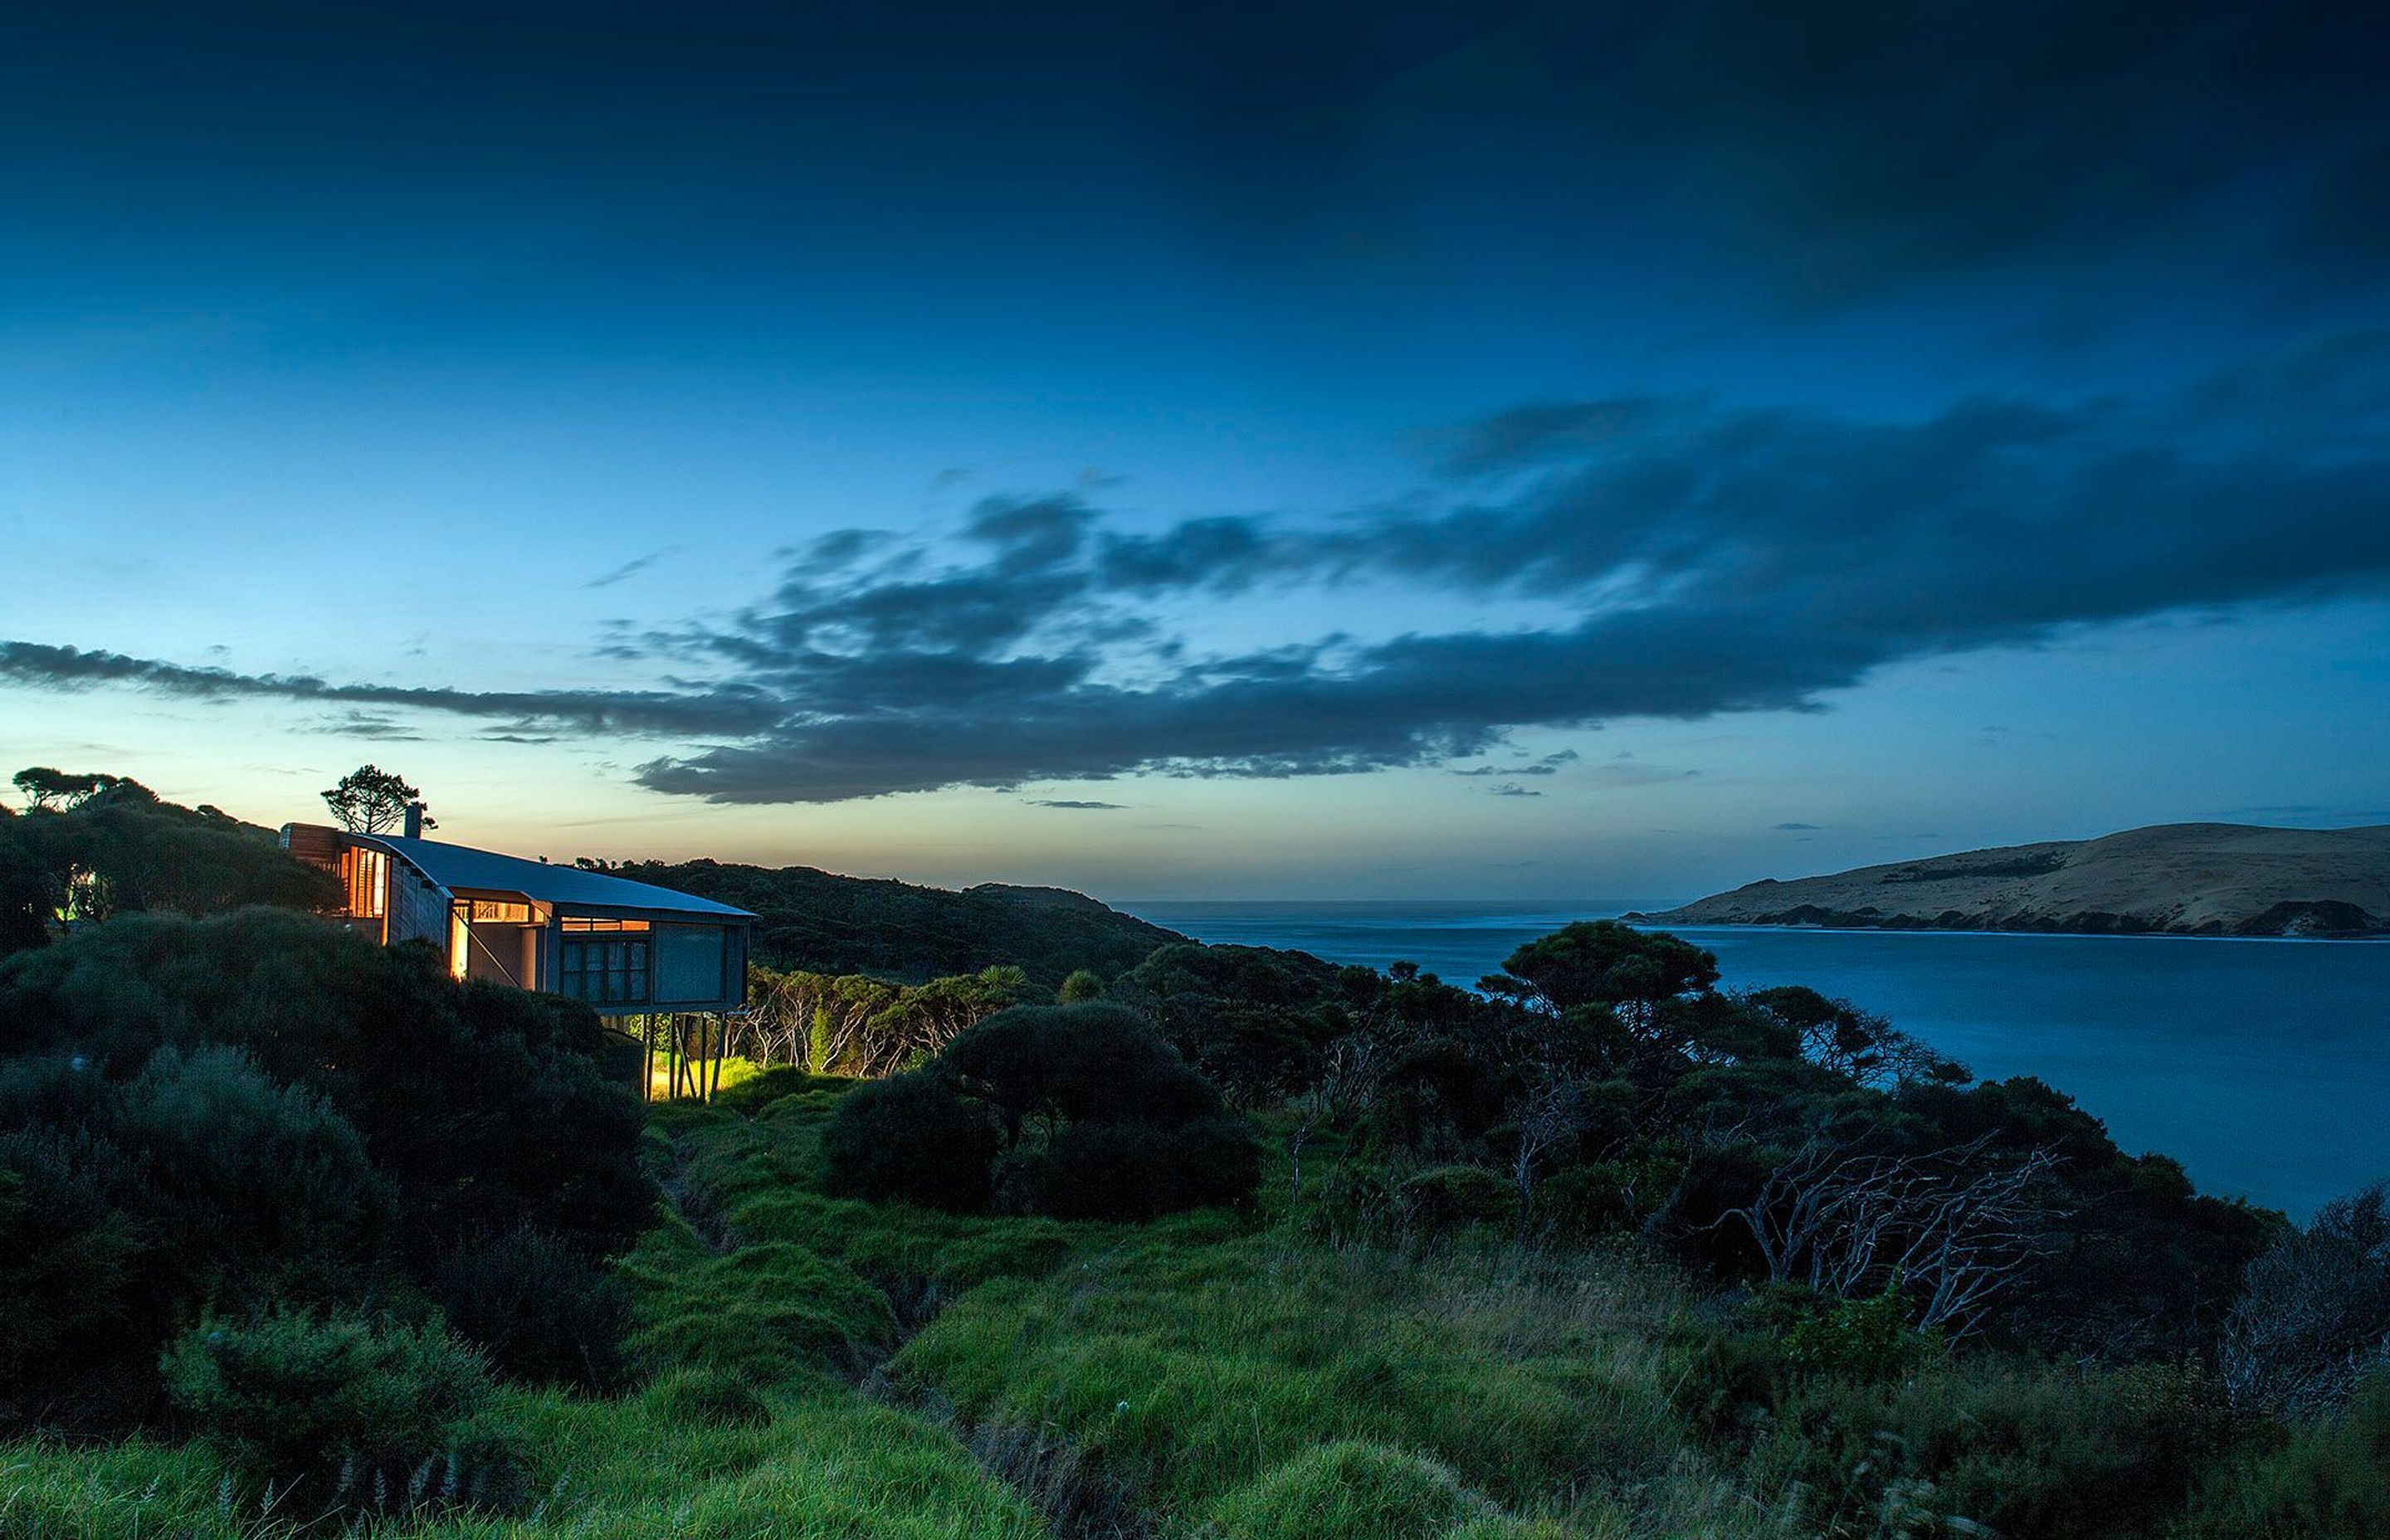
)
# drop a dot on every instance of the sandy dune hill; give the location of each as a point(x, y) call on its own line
point(2214, 880)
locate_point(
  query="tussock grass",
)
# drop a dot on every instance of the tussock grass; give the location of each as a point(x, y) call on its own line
point(822, 1463)
point(1230, 1376)
point(1206, 1372)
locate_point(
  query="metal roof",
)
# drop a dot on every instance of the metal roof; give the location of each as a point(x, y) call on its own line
point(461, 867)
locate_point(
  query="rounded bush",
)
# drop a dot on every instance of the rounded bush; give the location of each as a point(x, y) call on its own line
point(542, 1313)
point(1075, 1111)
point(913, 1139)
point(361, 1406)
point(1139, 1171)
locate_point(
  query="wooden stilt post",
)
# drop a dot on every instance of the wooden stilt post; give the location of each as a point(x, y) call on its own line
point(647, 1036)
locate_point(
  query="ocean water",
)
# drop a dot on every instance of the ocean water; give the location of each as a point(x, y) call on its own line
point(2263, 1066)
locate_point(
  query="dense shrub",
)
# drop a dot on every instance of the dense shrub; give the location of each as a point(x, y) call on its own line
point(216, 1115)
point(248, 1188)
point(120, 850)
point(133, 1203)
point(2089, 1455)
point(1867, 1340)
point(1055, 1064)
point(1593, 1198)
point(1077, 1111)
point(2319, 1480)
point(1133, 1170)
point(916, 1139)
point(1253, 1020)
point(483, 1106)
point(68, 1256)
point(379, 1413)
point(1442, 1198)
point(539, 1311)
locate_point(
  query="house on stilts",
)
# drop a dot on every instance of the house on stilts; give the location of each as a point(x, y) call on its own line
point(667, 969)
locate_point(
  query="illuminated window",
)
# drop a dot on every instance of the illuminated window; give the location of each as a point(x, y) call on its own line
point(604, 972)
point(584, 923)
point(486, 911)
point(368, 882)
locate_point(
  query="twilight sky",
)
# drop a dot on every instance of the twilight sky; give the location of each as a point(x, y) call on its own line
point(1339, 450)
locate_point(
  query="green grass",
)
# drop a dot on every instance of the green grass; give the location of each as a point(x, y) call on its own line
point(822, 1463)
point(1210, 1371)
point(824, 1367)
point(1230, 1377)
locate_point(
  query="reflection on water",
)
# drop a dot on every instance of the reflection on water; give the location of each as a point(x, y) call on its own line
point(2263, 1066)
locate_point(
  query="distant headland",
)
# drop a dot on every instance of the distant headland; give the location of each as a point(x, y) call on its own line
point(2187, 880)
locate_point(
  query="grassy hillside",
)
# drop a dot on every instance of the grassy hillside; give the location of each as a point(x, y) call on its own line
point(820, 1367)
point(300, 1237)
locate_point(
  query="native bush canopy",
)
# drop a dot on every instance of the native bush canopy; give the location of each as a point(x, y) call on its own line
point(819, 922)
point(1616, 1090)
point(91, 847)
point(235, 1114)
point(1075, 1112)
point(1220, 1239)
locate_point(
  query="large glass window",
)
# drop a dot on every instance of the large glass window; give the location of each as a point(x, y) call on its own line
point(604, 972)
point(368, 882)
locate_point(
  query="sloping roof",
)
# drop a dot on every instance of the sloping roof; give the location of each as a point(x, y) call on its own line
point(456, 867)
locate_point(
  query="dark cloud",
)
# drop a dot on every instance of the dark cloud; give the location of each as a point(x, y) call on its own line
point(1550, 765)
point(1080, 806)
point(1843, 148)
point(1721, 559)
point(632, 568)
point(1803, 829)
point(367, 725)
point(730, 708)
point(1512, 788)
point(1705, 558)
point(1851, 148)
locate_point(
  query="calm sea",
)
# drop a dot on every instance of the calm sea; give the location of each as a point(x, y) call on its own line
point(2263, 1066)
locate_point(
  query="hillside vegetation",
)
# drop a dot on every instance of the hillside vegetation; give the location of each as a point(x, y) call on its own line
point(300, 1238)
point(2194, 879)
point(820, 922)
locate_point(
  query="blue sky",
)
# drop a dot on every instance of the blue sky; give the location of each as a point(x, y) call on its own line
point(1452, 451)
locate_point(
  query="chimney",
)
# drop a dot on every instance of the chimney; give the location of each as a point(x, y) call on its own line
point(415, 820)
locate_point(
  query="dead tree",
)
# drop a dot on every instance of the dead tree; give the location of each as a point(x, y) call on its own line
point(1955, 1231)
point(1349, 1074)
point(1553, 1113)
point(2314, 1313)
